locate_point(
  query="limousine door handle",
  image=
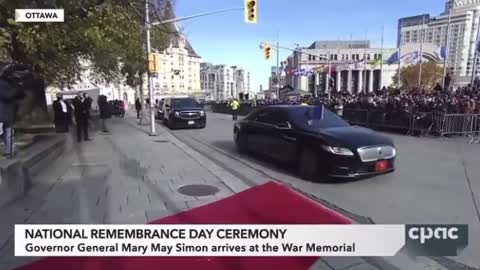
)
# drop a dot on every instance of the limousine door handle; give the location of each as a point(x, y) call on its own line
point(288, 138)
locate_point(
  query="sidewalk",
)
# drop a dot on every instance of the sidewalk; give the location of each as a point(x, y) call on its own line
point(124, 177)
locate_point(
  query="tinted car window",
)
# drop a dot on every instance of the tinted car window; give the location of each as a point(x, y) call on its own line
point(184, 103)
point(253, 115)
point(314, 118)
point(272, 117)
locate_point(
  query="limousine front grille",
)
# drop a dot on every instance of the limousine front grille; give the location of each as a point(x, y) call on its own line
point(369, 154)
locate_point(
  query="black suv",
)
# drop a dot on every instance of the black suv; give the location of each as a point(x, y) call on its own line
point(183, 113)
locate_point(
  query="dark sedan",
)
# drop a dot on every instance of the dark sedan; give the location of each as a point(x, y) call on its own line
point(316, 140)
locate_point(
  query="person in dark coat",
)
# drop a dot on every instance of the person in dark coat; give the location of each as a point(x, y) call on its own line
point(105, 111)
point(8, 109)
point(62, 114)
point(82, 111)
point(138, 107)
point(88, 103)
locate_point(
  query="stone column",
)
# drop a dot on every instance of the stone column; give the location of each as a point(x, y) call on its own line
point(317, 82)
point(339, 78)
point(370, 82)
point(360, 81)
point(349, 81)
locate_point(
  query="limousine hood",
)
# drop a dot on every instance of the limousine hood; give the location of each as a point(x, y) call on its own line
point(354, 137)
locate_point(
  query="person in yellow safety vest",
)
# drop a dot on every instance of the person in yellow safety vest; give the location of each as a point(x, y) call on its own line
point(235, 105)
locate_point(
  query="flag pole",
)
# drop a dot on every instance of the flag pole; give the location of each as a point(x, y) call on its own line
point(365, 89)
point(381, 56)
point(421, 51)
point(445, 47)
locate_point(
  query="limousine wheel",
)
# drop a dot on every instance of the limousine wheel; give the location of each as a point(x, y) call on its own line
point(310, 167)
point(241, 143)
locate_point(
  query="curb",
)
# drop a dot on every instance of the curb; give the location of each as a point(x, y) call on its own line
point(16, 175)
point(232, 182)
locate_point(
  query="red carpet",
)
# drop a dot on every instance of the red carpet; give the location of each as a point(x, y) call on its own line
point(271, 203)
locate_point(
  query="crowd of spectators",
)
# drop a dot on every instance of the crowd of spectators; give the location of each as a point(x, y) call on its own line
point(462, 100)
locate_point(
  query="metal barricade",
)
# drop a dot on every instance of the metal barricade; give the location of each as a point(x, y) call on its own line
point(427, 123)
point(355, 116)
point(458, 124)
point(474, 137)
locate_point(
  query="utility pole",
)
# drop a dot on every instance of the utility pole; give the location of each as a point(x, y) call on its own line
point(149, 77)
point(381, 58)
point(278, 69)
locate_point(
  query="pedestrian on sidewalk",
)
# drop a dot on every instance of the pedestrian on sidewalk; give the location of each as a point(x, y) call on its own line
point(62, 114)
point(11, 92)
point(138, 107)
point(235, 106)
point(105, 111)
point(8, 109)
point(81, 117)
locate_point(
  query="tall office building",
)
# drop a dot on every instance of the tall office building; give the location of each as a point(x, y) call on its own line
point(222, 82)
point(462, 37)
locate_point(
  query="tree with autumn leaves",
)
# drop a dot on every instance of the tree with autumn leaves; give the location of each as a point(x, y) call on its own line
point(432, 74)
point(109, 34)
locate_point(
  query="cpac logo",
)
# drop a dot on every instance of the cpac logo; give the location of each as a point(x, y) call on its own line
point(428, 233)
point(436, 239)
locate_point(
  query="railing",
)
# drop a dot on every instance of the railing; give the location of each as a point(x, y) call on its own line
point(412, 123)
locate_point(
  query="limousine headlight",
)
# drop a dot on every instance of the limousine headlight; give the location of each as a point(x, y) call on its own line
point(341, 151)
point(177, 114)
point(202, 113)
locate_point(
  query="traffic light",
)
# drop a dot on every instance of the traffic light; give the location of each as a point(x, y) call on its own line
point(153, 63)
point(251, 11)
point(267, 50)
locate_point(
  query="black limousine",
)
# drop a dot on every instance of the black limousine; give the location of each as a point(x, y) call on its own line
point(317, 141)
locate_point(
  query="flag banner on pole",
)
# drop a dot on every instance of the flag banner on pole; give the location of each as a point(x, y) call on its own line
point(238, 240)
point(443, 52)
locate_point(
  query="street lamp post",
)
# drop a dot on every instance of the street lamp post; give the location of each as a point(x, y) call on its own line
point(149, 77)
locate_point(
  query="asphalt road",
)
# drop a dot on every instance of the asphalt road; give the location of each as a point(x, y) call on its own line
point(437, 180)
